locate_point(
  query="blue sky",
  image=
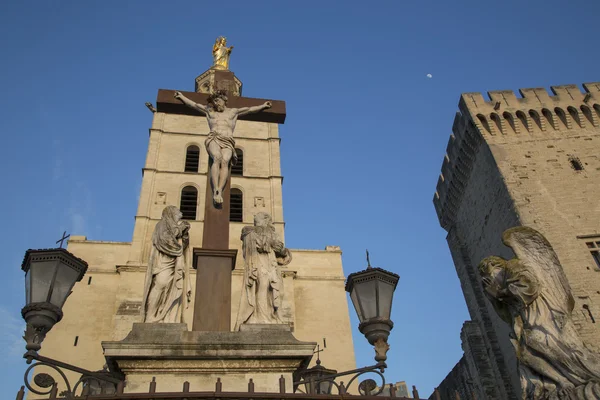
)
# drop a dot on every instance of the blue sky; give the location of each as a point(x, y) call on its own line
point(361, 148)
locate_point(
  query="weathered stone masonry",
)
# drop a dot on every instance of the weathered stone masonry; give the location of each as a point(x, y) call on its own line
point(529, 161)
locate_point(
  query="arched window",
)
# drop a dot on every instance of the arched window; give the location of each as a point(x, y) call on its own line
point(236, 206)
point(238, 168)
point(192, 159)
point(189, 202)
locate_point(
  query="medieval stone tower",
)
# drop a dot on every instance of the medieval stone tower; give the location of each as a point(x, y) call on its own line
point(107, 302)
point(532, 160)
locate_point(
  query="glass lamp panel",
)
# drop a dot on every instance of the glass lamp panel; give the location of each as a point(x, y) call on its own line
point(386, 294)
point(65, 280)
point(353, 297)
point(324, 387)
point(28, 287)
point(41, 273)
point(367, 294)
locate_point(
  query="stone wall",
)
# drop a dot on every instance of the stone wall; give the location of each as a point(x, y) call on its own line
point(524, 161)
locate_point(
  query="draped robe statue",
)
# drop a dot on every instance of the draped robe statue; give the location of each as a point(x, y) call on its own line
point(262, 289)
point(167, 289)
point(532, 294)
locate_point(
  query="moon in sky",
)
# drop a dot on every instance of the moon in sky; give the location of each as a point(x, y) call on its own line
point(429, 76)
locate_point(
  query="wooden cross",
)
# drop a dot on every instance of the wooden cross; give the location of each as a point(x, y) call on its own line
point(63, 238)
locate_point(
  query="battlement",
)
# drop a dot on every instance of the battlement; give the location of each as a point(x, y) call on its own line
point(505, 116)
point(535, 110)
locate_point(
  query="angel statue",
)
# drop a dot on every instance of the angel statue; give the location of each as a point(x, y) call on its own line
point(168, 287)
point(262, 289)
point(531, 294)
point(221, 53)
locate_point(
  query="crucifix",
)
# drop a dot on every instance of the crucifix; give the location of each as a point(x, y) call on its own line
point(214, 261)
point(63, 238)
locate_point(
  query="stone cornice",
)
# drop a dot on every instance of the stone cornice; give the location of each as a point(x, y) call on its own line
point(236, 177)
point(205, 135)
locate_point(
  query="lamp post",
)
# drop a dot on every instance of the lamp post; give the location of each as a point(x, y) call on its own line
point(50, 275)
point(49, 278)
point(372, 292)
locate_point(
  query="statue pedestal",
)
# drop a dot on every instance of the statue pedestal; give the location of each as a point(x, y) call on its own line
point(175, 355)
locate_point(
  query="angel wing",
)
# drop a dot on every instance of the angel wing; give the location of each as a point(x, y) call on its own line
point(536, 253)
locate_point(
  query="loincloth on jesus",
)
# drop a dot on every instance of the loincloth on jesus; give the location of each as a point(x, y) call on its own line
point(224, 142)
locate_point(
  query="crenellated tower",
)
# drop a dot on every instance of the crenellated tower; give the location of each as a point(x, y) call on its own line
point(532, 160)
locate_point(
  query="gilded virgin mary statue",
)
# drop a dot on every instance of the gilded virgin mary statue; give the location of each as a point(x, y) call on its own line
point(167, 290)
point(221, 53)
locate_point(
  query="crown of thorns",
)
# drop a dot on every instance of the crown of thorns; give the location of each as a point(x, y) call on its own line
point(216, 95)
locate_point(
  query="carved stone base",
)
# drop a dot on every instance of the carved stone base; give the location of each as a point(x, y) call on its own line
point(174, 355)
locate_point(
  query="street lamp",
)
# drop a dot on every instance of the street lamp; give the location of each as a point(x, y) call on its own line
point(371, 292)
point(50, 275)
point(313, 381)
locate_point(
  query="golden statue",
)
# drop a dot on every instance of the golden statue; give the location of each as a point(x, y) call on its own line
point(221, 53)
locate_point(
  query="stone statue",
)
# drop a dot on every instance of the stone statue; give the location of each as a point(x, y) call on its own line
point(221, 53)
point(220, 144)
point(168, 287)
point(262, 290)
point(532, 294)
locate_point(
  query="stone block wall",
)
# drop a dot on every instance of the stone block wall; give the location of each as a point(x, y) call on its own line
point(528, 161)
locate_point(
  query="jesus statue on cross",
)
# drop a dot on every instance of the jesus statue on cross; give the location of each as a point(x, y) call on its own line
point(220, 143)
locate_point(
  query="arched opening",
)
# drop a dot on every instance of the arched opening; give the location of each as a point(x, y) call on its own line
point(575, 116)
point(511, 121)
point(549, 117)
point(523, 119)
point(496, 118)
point(192, 159)
point(588, 115)
point(562, 117)
point(238, 168)
point(484, 123)
point(189, 202)
point(597, 109)
point(536, 118)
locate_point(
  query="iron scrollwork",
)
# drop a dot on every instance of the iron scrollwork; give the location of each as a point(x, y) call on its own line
point(89, 383)
point(367, 387)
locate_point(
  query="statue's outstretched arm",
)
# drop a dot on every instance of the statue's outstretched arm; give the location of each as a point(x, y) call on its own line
point(255, 109)
point(190, 103)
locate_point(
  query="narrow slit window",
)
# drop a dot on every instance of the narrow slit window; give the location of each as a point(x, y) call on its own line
point(90, 280)
point(76, 341)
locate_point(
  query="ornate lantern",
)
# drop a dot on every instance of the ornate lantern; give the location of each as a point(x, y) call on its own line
point(371, 292)
point(313, 381)
point(50, 275)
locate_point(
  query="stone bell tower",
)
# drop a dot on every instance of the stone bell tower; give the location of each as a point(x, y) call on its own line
point(102, 316)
